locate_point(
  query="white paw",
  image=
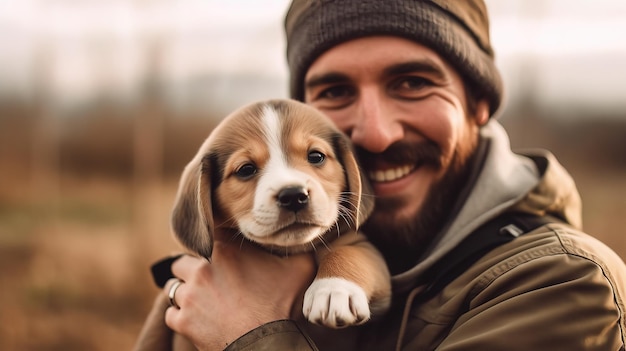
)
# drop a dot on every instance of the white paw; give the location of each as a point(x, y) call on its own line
point(335, 303)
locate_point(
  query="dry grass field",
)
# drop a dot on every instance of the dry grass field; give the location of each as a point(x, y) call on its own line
point(77, 235)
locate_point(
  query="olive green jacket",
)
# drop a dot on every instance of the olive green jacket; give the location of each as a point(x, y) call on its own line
point(555, 288)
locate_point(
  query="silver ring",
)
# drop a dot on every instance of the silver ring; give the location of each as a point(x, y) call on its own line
point(171, 294)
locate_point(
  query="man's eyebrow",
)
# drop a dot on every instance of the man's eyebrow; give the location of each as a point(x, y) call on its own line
point(324, 79)
point(421, 66)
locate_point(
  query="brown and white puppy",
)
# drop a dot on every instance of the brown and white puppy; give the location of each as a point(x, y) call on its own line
point(278, 173)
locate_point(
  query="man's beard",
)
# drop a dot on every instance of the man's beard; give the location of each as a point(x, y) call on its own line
point(403, 240)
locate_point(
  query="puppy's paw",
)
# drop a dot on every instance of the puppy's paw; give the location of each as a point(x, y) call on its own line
point(335, 303)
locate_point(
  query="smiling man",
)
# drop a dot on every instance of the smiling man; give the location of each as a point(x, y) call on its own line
point(485, 245)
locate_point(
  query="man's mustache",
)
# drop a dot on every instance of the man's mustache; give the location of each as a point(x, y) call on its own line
point(402, 153)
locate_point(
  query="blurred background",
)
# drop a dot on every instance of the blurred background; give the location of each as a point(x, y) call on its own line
point(103, 102)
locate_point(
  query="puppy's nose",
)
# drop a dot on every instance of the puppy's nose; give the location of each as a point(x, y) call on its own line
point(293, 198)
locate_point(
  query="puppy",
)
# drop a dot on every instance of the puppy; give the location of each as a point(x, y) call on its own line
point(278, 173)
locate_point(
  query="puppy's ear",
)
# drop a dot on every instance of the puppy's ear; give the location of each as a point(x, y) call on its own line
point(192, 217)
point(360, 201)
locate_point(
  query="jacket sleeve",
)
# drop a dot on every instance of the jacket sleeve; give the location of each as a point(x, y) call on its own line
point(278, 335)
point(558, 301)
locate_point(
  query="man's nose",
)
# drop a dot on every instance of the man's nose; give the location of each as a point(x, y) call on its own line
point(376, 126)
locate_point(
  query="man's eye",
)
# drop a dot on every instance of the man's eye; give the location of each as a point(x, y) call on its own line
point(316, 157)
point(411, 83)
point(335, 92)
point(246, 171)
point(334, 97)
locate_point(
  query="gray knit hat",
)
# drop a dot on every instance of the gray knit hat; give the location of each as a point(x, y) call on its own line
point(458, 30)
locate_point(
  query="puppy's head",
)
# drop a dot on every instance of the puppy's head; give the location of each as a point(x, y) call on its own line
point(277, 172)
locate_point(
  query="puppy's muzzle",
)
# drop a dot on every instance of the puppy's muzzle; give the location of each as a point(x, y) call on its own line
point(293, 198)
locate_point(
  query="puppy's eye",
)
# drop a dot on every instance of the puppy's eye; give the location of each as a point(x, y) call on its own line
point(246, 171)
point(316, 158)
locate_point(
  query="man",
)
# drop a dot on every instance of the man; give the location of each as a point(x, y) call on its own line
point(413, 83)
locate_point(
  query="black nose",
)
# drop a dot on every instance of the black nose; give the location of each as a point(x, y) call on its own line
point(293, 198)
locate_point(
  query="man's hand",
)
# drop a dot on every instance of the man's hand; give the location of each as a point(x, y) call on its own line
point(242, 288)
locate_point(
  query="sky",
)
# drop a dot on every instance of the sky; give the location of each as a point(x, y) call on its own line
point(74, 51)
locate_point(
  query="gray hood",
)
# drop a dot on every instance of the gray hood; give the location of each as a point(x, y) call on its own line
point(533, 183)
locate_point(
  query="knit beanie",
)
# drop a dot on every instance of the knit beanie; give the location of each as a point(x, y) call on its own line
point(458, 30)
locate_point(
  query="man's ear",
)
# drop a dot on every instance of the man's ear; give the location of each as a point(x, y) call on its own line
point(482, 112)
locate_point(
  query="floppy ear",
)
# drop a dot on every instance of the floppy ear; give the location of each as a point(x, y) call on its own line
point(360, 201)
point(192, 217)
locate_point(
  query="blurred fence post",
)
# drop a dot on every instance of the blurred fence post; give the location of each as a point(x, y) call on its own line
point(148, 155)
point(45, 168)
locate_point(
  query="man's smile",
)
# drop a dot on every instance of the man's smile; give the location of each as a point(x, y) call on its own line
point(390, 174)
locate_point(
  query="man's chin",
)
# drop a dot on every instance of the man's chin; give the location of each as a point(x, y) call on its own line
point(403, 228)
point(390, 215)
point(391, 225)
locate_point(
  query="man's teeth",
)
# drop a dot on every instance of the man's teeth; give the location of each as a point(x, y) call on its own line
point(390, 174)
